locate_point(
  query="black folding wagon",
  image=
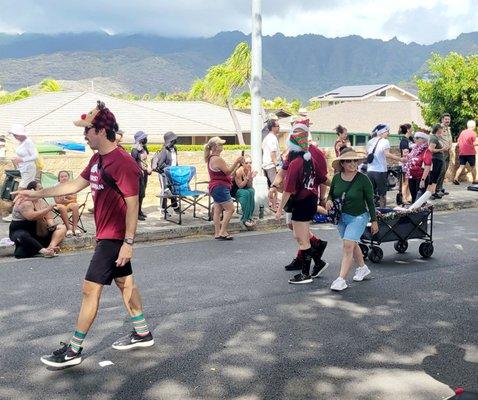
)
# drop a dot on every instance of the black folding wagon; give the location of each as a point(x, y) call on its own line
point(400, 227)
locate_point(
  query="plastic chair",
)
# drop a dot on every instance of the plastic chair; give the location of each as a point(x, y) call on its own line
point(178, 186)
point(48, 179)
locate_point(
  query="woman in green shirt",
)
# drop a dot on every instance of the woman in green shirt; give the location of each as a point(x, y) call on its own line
point(357, 209)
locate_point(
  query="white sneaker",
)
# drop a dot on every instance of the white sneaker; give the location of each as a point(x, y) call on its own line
point(339, 284)
point(361, 273)
point(69, 233)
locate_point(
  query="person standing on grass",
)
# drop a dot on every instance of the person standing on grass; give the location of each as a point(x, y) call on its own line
point(114, 180)
point(467, 143)
point(357, 210)
point(220, 185)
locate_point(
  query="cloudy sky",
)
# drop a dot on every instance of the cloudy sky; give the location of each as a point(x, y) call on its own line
point(422, 21)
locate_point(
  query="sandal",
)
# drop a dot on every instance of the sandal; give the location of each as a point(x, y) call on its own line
point(69, 233)
point(224, 237)
point(78, 232)
point(47, 253)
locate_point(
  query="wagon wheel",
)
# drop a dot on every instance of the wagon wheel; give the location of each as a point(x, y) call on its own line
point(375, 254)
point(426, 249)
point(364, 249)
point(401, 246)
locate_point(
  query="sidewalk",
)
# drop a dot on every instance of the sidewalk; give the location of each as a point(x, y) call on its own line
point(155, 228)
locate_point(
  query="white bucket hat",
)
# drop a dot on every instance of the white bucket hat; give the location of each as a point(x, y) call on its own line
point(18, 130)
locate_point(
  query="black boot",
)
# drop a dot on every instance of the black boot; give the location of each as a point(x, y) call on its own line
point(305, 260)
point(319, 265)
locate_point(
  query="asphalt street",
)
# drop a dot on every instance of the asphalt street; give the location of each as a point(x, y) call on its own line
point(227, 325)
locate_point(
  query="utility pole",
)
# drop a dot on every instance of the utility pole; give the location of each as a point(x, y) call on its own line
point(260, 181)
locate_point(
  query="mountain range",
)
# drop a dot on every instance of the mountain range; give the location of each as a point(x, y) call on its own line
point(294, 67)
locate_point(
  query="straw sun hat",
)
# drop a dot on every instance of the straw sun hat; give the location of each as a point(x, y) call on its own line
point(348, 154)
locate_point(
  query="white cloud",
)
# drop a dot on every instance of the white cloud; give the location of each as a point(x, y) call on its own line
point(422, 21)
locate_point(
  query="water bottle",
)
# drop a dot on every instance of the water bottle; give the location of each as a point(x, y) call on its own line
point(261, 211)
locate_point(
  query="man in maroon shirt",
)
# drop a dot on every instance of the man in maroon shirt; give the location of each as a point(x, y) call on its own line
point(113, 177)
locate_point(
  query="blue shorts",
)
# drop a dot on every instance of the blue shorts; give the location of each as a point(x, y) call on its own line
point(352, 227)
point(221, 194)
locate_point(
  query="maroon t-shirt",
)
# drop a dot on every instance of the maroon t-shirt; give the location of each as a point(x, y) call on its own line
point(294, 178)
point(110, 208)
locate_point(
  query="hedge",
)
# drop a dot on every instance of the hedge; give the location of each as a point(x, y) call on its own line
point(154, 147)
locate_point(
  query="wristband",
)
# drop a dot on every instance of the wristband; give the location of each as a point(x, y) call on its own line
point(129, 241)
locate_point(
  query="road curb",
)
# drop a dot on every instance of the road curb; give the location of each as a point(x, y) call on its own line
point(148, 235)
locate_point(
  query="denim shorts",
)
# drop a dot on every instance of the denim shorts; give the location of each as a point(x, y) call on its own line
point(351, 227)
point(221, 194)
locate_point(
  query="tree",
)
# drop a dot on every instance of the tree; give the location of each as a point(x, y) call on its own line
point(451, 87)
point(222, 82)
point(50, 85)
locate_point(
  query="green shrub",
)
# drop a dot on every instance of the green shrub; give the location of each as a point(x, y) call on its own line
point(154, 147)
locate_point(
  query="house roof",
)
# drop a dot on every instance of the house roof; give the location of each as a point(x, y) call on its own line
point(363, 116)
point(359, 92)
point(49, 116)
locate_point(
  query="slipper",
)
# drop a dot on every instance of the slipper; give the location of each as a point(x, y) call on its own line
point(224, 238)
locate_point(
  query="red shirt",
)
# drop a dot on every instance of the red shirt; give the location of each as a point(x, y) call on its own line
point(466, 143)
point(294, 177)
point(217, 178)
point(110, 208)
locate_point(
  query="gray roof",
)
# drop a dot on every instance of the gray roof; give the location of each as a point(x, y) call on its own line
point(49, 116)
point(353, 91)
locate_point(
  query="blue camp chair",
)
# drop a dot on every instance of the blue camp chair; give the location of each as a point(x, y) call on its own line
point(178, 181)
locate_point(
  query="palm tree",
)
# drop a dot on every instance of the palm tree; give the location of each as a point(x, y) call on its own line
point(50, 85)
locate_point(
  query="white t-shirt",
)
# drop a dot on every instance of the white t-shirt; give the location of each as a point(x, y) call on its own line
point(27, 152)
point(174, 158)
point(269, 144)
point(379, 163)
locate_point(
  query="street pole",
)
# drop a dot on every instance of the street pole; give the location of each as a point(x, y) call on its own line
point(260, 181)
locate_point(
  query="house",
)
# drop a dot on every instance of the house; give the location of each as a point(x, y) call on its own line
point(360, 117)
point(360, 93)
point(49, 118)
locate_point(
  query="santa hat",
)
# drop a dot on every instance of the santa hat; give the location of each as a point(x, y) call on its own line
point(299, 140)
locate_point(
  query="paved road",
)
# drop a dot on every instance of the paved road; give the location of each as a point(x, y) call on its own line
point(229, 326)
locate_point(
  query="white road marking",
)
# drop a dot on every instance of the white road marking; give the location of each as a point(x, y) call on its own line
point(459, 247)
point(105, 363)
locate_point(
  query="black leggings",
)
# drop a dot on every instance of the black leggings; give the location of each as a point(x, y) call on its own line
point(27, 243)
point(414, 186)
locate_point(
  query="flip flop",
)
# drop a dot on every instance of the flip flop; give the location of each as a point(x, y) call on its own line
point(224, 238)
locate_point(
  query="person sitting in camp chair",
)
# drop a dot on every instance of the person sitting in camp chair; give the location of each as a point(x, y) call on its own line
point(64, 204)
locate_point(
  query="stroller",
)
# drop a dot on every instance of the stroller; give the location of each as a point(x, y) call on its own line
point(399, 227)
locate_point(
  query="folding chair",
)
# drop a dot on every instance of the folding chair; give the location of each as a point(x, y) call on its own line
point(178, 181)
point(47, 179)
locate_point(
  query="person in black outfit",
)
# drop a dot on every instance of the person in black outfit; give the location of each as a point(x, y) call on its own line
point(140, 154)
point(166, 157)
point(32, 228)
point(406, 145)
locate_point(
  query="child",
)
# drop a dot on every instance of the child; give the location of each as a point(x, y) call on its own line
point(68, 203)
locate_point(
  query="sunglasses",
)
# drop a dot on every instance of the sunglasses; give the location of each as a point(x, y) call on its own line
point(350, 161)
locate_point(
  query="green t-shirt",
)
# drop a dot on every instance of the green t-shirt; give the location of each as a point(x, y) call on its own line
point(359, 197)
point(434, 139)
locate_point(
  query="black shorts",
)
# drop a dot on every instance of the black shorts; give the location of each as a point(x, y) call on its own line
point(437, 166)
point(379, 182)
point(304, 210)
point(471, 160)
point(102, 267)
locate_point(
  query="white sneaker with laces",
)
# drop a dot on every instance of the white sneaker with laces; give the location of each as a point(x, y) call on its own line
point(361, 273)
point(339, 284)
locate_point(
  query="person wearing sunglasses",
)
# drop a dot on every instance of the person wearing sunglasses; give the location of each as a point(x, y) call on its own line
point(243, 191)
point(357, 209)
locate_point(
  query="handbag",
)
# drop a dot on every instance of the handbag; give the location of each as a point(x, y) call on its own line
point(336, 212)
point(371, 156)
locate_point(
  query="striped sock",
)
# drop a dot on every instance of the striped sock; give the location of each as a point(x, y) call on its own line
point(139, 324)
point(77, 340)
